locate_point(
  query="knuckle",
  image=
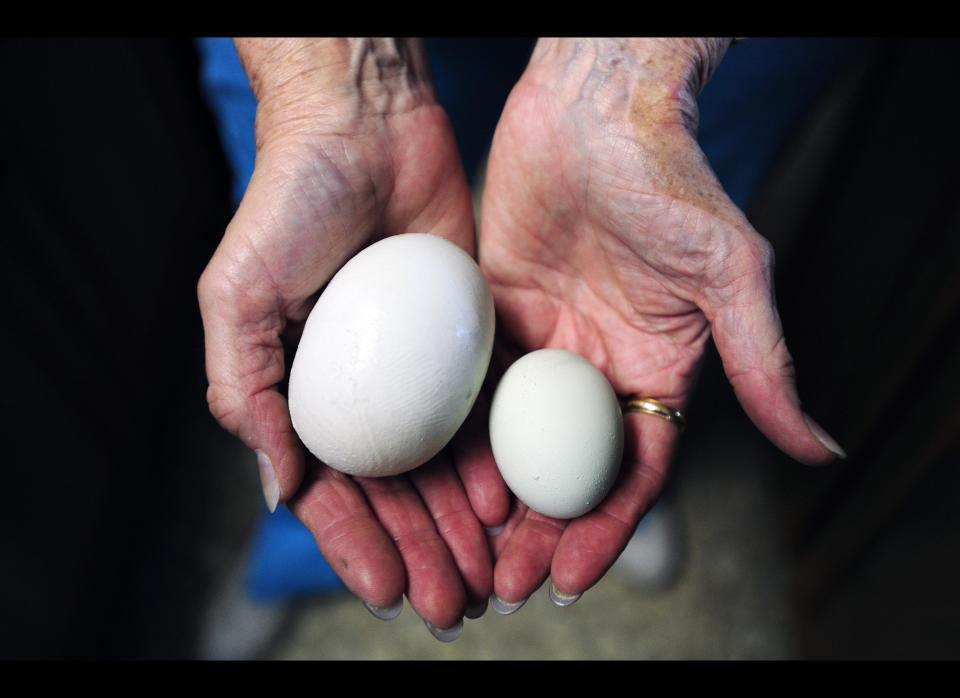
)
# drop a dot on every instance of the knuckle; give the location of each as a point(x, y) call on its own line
point(450, 522)
point(784, 366)
point(760, 255)
point(213, 287)
point(226, 408)
point(421, 543)
point(752, 271)
point(765, 253)
point(741, 270)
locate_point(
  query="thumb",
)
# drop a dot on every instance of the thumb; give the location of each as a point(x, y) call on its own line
point(749, 337)
point(244, 360)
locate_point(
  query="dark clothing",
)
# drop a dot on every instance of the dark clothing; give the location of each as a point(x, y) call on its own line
point(114, 195)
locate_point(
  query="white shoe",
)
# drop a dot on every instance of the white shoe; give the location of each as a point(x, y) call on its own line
point(654, 557)
point(235, 627)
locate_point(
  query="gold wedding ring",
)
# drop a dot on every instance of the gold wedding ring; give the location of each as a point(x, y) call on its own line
point(649, 405)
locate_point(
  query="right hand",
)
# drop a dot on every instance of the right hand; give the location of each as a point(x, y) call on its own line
point(605, 232)
point(351, 147)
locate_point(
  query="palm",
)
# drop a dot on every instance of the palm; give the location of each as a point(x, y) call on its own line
point(590, 245)
point(616, 256)
point(314, 200)
point(317, 198)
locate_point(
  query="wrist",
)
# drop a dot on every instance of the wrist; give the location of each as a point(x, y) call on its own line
point(663, 76)
point(333, 84)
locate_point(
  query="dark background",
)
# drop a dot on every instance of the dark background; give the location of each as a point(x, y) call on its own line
point(114, 192)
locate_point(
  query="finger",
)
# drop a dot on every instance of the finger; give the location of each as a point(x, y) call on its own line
point(525, 561)
point(500, 536)
point(434, 586)
point(487, 492)
point(593, 542)
point(351, 539)
point(749, 336)
point(442, 493)
point(245, 363)
point(473, 455)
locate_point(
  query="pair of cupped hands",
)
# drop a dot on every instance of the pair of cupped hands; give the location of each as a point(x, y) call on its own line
point(602, 231)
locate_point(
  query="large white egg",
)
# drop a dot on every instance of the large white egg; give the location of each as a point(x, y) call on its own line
point(392, 356)
point(556, 430)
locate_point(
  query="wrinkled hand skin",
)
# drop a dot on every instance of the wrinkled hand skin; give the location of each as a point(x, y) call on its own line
point(351, 146)
point(605, 232)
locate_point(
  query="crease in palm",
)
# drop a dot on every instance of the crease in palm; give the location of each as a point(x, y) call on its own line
point(583, 253)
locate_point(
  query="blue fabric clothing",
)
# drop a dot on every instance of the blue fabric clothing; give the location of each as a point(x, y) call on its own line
point(229, 96)
point(755, 101)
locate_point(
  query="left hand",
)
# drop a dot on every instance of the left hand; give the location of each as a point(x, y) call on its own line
point(351, 146)
point(605, 232)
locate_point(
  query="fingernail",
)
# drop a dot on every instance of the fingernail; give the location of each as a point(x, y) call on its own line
point(268, 478)
point(495, 530)
point(560, 599)
point(448, 634)
point(823, 437)
point(476, 610)
point(385, 612)
point(504, 608)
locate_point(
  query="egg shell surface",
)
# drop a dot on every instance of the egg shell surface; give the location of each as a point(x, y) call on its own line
point(392, 356)
point(556, 431)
